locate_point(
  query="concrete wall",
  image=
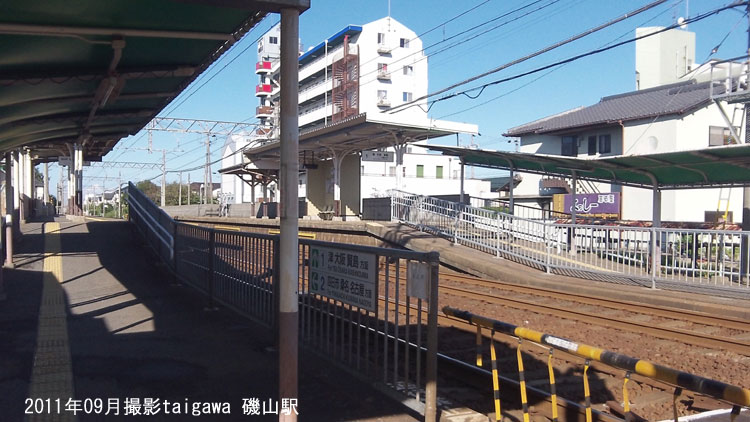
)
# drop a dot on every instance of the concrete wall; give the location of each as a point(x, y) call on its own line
point(688, 133)
point(663, 58)
point(320, 188)
point(552, 145)
point(376, 209)
point(350, 186)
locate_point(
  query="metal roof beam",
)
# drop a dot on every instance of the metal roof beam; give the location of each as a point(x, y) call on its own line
point(79, 32)
point(87, 98)
point(261, 5)
point(81, 117)
point(88, 75)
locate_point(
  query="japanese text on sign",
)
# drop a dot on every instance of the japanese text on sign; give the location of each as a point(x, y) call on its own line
point(348, 276)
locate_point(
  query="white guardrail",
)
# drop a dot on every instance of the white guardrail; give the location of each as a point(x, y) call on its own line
point(613, 253)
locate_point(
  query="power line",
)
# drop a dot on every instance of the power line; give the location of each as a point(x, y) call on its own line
point(253, 44)
point(530, 56)
point(436, 27)
point(473, 37)
point(481, 88)
point(504, 94)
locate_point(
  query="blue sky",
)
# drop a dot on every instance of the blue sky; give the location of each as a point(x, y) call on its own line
point(229, 95)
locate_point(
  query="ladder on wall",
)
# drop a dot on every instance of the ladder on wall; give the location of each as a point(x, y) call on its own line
point(725, 194)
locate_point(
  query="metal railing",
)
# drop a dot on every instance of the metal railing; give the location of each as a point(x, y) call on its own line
point(359, 306)
point(738, 396)
point(390, 338)
point(729, 78)
point(636, 255)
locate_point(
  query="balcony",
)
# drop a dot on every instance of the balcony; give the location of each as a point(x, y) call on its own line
point(384, 75)
point(384, 49)
point(262, 90)
point(263, 112)
point(262, 67)
point(384, 102)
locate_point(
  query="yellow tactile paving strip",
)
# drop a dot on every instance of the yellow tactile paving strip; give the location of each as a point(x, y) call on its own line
point(52, 374)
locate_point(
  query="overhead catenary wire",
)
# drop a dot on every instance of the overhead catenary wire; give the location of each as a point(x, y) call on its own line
point(472, 37)
point(506, 93)
point(482, 87)
point(532, 55)
point(442, 24)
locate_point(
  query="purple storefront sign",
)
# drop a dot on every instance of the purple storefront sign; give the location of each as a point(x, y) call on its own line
point(594, 203)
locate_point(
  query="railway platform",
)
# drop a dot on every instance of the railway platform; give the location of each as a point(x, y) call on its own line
point(92, 326)
point(705, 298)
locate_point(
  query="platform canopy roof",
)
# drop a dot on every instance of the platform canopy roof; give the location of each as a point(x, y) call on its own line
point(362, 133)
point(714, 167)
point(95, 71)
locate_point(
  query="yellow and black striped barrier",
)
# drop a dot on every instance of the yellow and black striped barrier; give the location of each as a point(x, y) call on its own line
point(682, 380)
point(305, 235)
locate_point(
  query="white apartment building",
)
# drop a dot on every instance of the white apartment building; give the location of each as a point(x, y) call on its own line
point(359, 69)
point(672, 111)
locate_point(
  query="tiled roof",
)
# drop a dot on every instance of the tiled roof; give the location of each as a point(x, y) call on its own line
point(674, 99)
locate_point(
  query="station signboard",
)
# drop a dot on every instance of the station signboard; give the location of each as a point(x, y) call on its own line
point(604, 205)
point(344, 275)
point(379, 156)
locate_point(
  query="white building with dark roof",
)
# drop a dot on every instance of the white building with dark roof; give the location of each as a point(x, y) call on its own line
point(675, 117)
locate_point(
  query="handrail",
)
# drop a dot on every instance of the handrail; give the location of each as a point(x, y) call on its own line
point(713, 388)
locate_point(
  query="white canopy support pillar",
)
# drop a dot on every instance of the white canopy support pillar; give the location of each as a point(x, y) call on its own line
point(21, 183)
point(399, 147)
point(655, 233)
point(9, 209)
point(572, 232)
point(288, 298)
point(461, 189)
point(30, 184)
point(16, 195)
point(45, 189)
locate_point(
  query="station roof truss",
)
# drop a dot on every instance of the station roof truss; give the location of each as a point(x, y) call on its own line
point(93, 71)
point(727, 166)
point(361, 133)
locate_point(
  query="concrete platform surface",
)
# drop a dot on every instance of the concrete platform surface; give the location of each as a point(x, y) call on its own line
point(90, 323)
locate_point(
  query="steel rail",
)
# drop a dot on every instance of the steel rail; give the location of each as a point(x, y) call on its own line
point(695, 338)
point(691, 316)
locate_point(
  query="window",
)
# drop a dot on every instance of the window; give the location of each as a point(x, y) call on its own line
point(362, 170)
point(439, 172)
point(408, 70)
point(403, 171)
point(392, 171)
point(382, 67)
point(569, 146)
point(260, 46)
point(404, 43)
point(382, 94)
point(420, 170)
point(381, 38)
point(719, 135)
point(605, 144)
point(592, 145)
point(273, 40)
point(407, 96)
point(455, 174)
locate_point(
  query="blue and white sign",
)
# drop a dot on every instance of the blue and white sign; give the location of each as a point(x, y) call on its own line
point(344, 275)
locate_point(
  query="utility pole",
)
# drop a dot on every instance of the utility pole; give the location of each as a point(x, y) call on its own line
point(745, 243)
point(119, 195)
point(163, 177)
point(207, 191)
point(179, 199)
point(190, 192)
